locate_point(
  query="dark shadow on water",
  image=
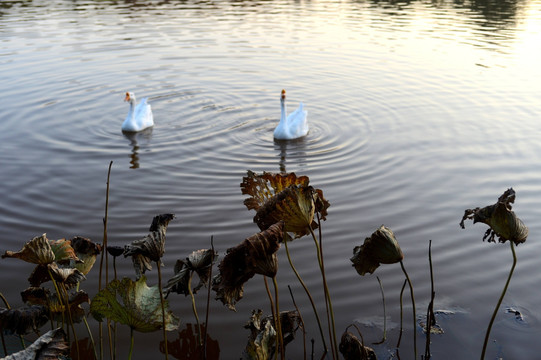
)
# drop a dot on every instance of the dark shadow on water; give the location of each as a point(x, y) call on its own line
point(292, 149)
point(186, 347)
point(135, 138)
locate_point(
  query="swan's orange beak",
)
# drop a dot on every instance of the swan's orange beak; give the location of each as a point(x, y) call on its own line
point(127, 98)
point(283, 94)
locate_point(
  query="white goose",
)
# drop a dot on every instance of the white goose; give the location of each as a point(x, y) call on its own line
point(292, 126)
point(139, 117)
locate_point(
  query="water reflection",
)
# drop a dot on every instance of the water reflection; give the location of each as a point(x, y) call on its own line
point(186, 346)
point(294, 149)
point(134, 139)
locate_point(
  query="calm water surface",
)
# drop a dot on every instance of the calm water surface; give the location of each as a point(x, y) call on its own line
point(418, 110)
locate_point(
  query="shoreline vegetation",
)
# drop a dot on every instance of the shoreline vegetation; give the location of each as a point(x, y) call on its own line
point(287, 208)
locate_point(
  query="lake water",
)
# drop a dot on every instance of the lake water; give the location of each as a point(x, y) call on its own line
point(418, 110)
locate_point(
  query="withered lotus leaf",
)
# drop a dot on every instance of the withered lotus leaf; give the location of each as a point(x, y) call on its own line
point(200, 262)
point(151, 247)
point(58, 309)
point(294, 205)
point(50, 346)
point(86, 251)
point(63, 251)
point(502, 220)
point(255, 255)
point(262, 338)
point(23, 320)
point(352, 348)
point(134, 304)
point(290, 322)
point(70, 277)
point(36, 251)
point(262, 187)
point(380, 248)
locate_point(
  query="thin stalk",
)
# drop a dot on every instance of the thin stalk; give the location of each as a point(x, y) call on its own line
point(273, 311)
point(91, 337)
point(499, 300)
point(208, 302)
point(384, 314)
point(158, 263)
point(414, 312)
point(430, 319)
point(327, 295)
point(71, 321)
point(278, 320)
point(309, 297)
point(58, 295)
point(1, 332)
point(194, 309)
point(131, 343)
point(401, 313)
point(302, 321)
point(104, 246)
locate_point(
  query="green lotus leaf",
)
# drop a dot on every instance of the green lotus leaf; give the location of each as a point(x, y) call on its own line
point(380, 248)
point(36, 251)
point(51, 345)
point(133, 303)
point(502, 220)
point(255, 255)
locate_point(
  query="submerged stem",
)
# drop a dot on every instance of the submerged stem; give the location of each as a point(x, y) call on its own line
point(401, 313)
point(384, 314)
point(309, 296)
point(499, 300)
point(278, 321)
point(273, 311)
point(194, 309)
point(414, 313)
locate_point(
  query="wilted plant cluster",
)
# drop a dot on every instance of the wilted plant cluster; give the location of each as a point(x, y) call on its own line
point(286, 208)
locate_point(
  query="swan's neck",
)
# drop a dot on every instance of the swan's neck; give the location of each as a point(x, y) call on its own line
point(131, 113)
point(283, 115)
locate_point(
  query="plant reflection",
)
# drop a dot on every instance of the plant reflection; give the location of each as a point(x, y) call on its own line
point(134, 139)
point(186, 347)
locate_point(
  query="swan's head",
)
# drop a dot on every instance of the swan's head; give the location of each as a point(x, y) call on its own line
point(283, 97)
point(130, 97)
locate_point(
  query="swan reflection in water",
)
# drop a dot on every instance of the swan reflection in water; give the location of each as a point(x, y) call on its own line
point(294, 150)
point(135, 138)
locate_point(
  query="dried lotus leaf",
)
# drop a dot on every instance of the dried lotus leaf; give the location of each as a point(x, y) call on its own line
point(36, 251)
point(50, 346)
point(23, 320)
point(294, 205)
point(63, 251)
point(264, 186)
point(502, 220)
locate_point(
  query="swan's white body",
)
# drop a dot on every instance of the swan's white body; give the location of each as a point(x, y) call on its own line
point(292, 126)
point(139, 117)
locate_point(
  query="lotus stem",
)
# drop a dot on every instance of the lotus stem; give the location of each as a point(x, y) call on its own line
point(414, 313)
point(309, 297)
point(194, 309)
point(158, 263)
point(302, 321)
point(401, 313)
point(430, 319)
point(273, 311)
point(71, 321)
point(208, 302)
point(90, 336)
point(104, 246)
point(131, 343)
point(334, 342)
point(384, 314)
point(499, 300)
point(59, 295)
point(278, 320)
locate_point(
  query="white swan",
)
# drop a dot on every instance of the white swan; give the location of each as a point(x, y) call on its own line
point(292, 126)
point(139, 117)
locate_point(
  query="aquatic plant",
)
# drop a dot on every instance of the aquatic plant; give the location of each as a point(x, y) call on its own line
point(51, 345)
point(135, 304)
point(382, 248)
point(354, 349)
point(504, 224)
